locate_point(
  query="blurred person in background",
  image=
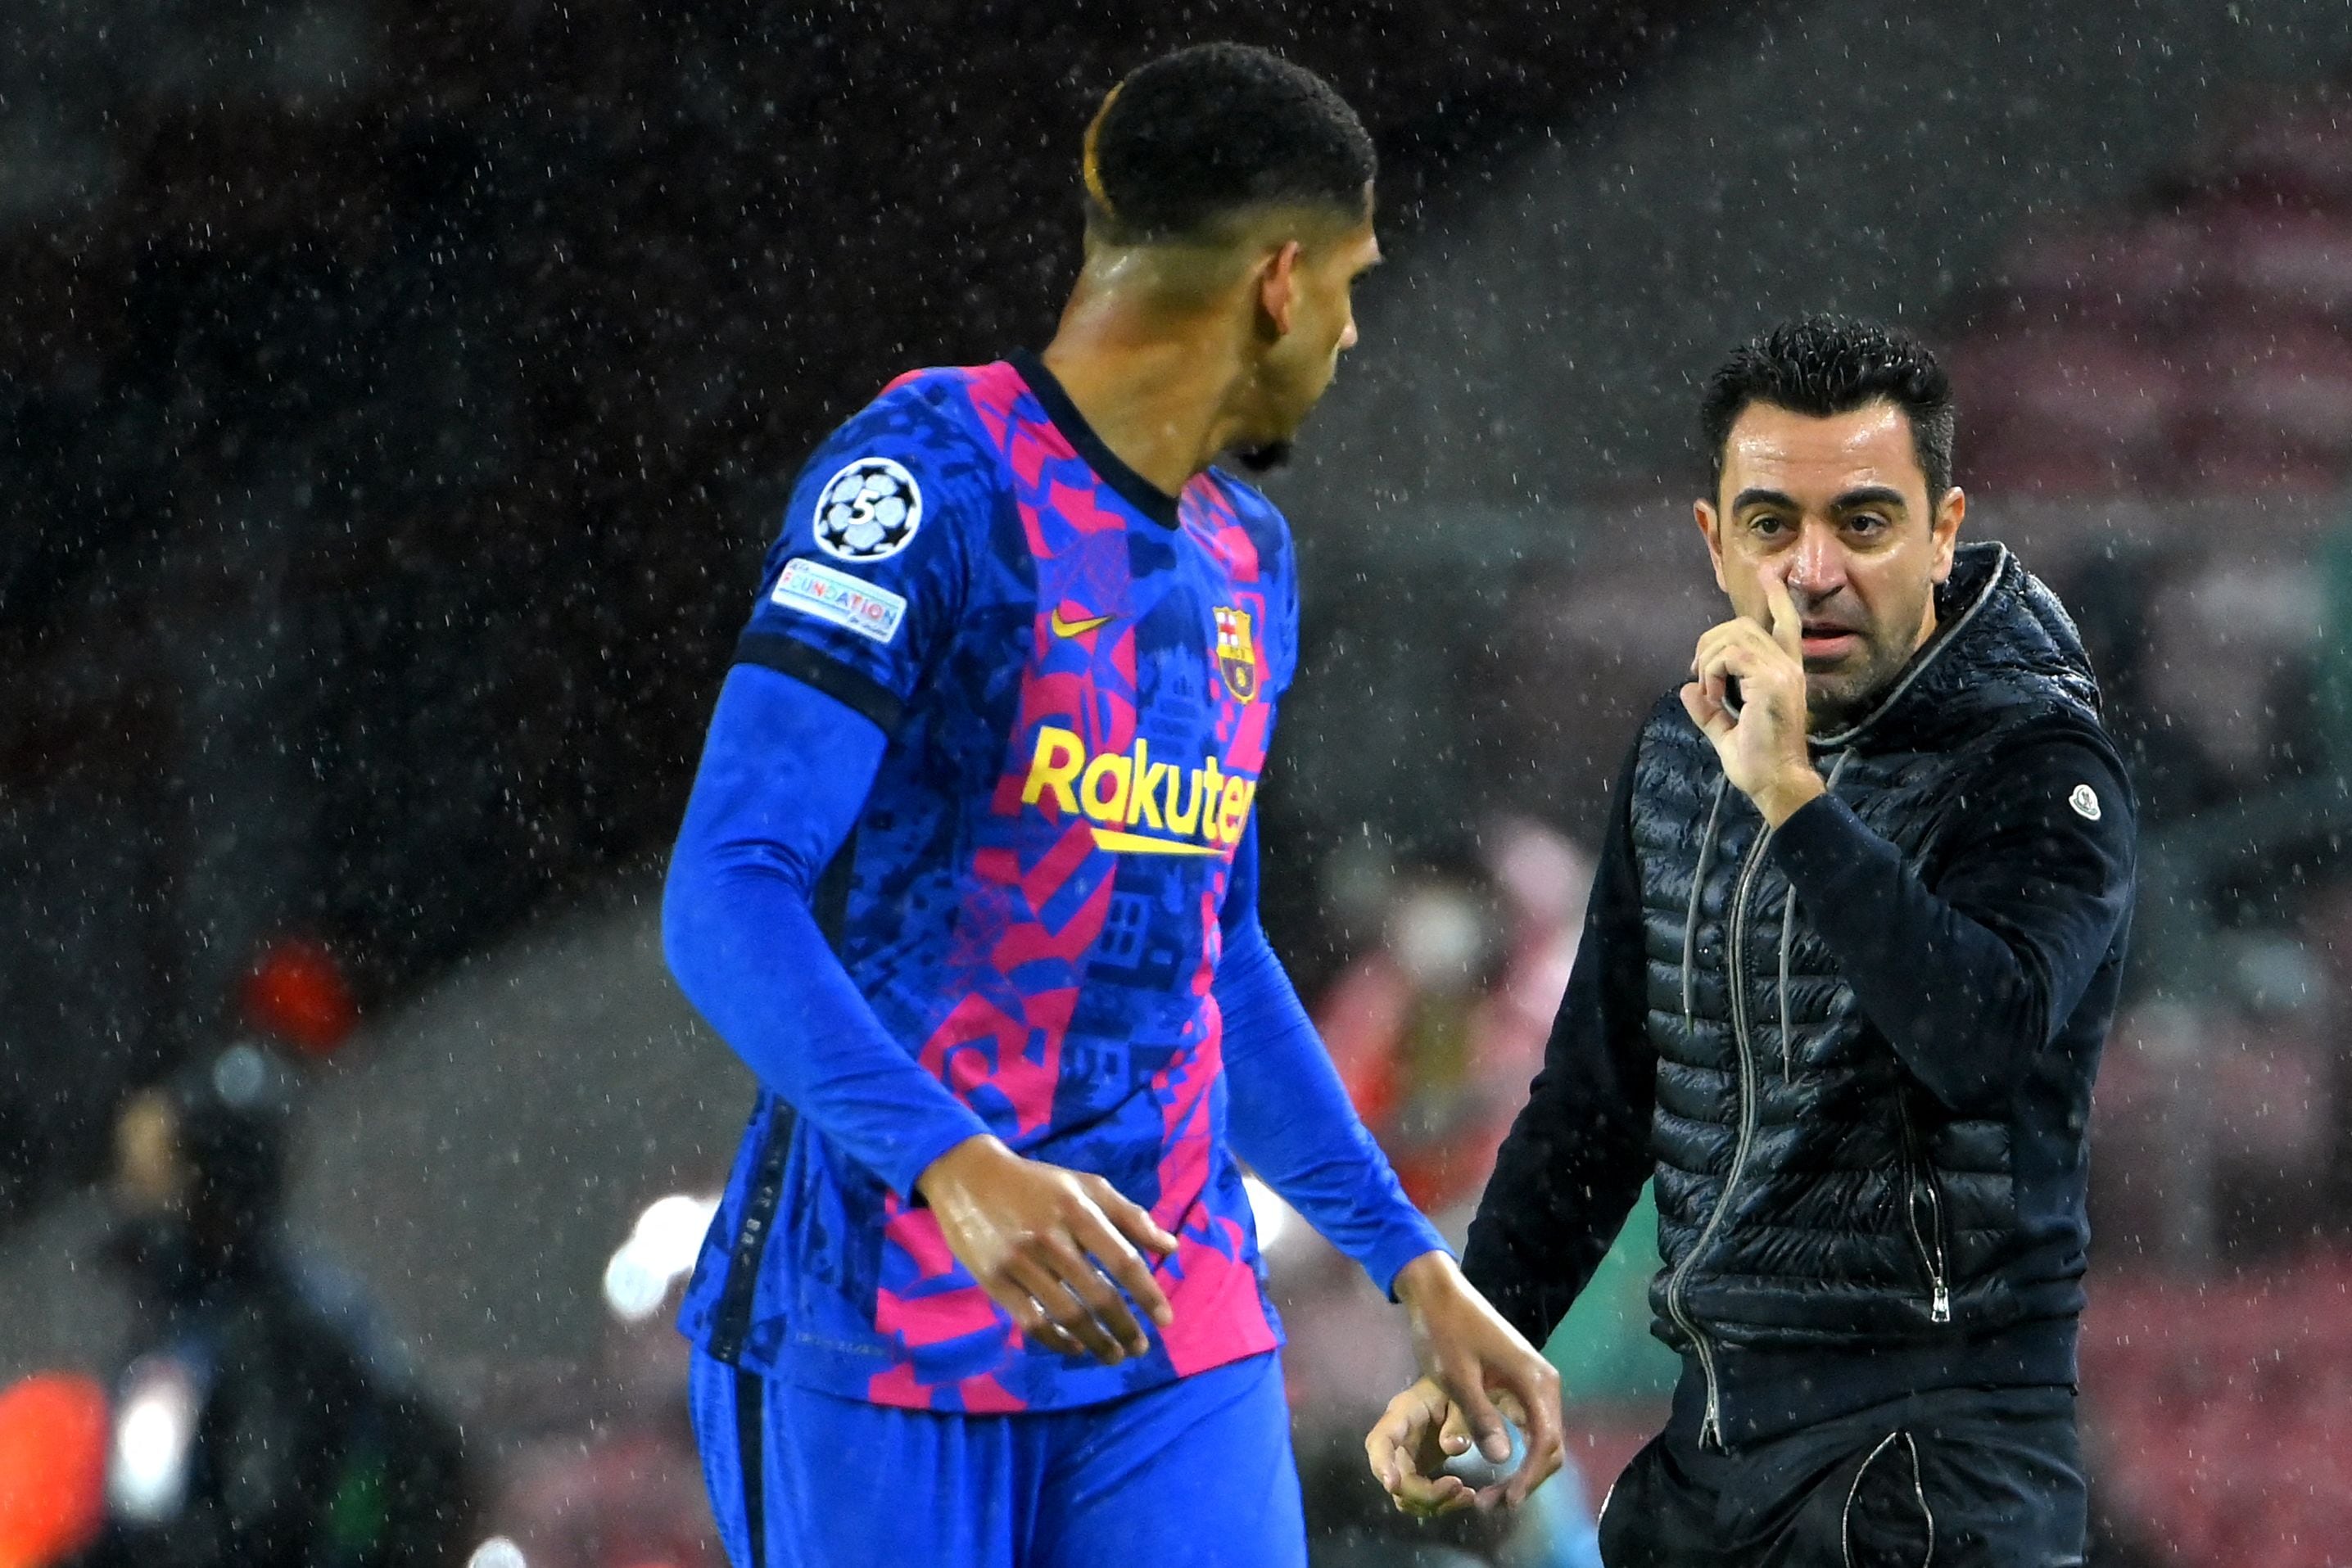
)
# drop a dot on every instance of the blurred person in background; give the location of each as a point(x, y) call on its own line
point(969, 879)
point(2213, 665)
point(1437, 1032)
point(615, 1480)
point(2216, 1122)
point(1404, 1025)
point(1855, 945)
point(261, 1420)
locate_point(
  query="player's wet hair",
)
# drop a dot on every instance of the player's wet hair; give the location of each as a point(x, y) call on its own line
point(1197, 139)
point(1825, 365)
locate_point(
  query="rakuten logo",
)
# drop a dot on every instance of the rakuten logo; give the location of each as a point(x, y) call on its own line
point(1199, 811)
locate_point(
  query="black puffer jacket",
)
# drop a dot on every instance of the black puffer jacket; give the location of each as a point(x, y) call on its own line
point(1856, 1052)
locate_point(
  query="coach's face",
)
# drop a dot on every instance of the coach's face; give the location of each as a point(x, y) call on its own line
point(1838, 509)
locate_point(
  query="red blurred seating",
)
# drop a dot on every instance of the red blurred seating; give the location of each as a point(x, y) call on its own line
point(2272, 407)
point(2202, 346)
point(2279, 264)
point(2073, 409)
point(2218, 1412)
point(2122, 277)
point(2298, 157)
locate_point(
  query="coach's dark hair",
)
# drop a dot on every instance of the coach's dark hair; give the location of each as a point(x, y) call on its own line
point(1197, 137)
point(1825, 365)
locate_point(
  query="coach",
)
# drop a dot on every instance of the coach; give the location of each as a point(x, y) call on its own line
point(1854, 943)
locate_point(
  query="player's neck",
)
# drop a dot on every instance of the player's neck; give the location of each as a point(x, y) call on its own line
point(1158, 399)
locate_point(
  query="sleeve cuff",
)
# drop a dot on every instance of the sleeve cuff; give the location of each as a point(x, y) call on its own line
point(1408, 1238)
point(1822, 839)
point(936, 1137)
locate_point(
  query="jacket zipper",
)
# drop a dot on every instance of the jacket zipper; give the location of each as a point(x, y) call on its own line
point(1710, 1429)
point(1920, 1182)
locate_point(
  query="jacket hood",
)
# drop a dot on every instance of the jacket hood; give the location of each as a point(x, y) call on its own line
point(2004, 650)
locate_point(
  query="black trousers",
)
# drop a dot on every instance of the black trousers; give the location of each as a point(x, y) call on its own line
point(1961, 1478)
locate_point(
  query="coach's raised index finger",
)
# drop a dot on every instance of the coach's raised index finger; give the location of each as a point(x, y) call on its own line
point(1788, 627)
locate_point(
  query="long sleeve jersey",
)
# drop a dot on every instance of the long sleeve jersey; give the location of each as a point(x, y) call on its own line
point(972, 850)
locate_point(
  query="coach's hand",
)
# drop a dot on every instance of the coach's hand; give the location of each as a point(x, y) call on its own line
point(1763, 744)
point(1040, 1240)
point(1476, 1370)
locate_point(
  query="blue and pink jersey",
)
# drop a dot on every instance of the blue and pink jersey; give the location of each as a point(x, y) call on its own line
point(1078, 678)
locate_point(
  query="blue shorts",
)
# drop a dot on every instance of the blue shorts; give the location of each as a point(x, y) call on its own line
point(1196, 1473)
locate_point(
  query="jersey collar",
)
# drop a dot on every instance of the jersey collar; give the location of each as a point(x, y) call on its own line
point(1133, 488)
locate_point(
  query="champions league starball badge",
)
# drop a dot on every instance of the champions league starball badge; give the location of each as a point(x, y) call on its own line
point(868, 510)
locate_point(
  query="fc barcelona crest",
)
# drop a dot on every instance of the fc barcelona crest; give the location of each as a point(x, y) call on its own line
point(1236, 657)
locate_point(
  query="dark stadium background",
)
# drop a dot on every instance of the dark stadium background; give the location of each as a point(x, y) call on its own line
point(398, 394)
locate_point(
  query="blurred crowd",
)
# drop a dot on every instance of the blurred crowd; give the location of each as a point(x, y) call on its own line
point(2193, 349)
point(393, 429)
point(399, 394)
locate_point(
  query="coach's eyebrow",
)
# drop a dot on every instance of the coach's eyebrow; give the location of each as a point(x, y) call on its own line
point(1752, 498)
point(1870, 496)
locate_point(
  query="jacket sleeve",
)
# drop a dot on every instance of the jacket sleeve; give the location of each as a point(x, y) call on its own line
point(1973, 970)
point(1580, 1150)
point(785, 775)
point(1290, 1116)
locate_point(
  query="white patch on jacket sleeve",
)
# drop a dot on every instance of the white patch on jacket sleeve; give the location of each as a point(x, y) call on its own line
point(814, 588)
point(2086, 801)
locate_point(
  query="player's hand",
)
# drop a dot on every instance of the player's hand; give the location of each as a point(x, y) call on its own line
point(1046, 1245)
point(1763, 744)
point(1477, 1370)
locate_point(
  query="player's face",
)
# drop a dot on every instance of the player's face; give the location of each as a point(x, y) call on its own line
point(1838, 509)
point(1299, 364)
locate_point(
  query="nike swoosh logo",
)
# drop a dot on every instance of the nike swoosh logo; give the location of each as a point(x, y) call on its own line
point(1077, 628)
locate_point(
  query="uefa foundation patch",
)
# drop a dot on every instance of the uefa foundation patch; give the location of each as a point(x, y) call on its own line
point(814, 588)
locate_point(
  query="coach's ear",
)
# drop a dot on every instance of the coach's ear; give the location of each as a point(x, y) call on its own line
point(1704, 511)
point(1946, 531)
point(1277, 287)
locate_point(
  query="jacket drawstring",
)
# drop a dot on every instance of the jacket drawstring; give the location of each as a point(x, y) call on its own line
point(1788, 940)
point(1698, 882)
point(1787, 923)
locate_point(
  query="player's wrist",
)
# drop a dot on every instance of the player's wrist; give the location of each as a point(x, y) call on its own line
point(958, 1165)
point(1424, 1277)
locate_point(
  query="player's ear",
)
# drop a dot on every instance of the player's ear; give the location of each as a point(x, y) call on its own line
point(1708, 521)
point(1278, 288)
